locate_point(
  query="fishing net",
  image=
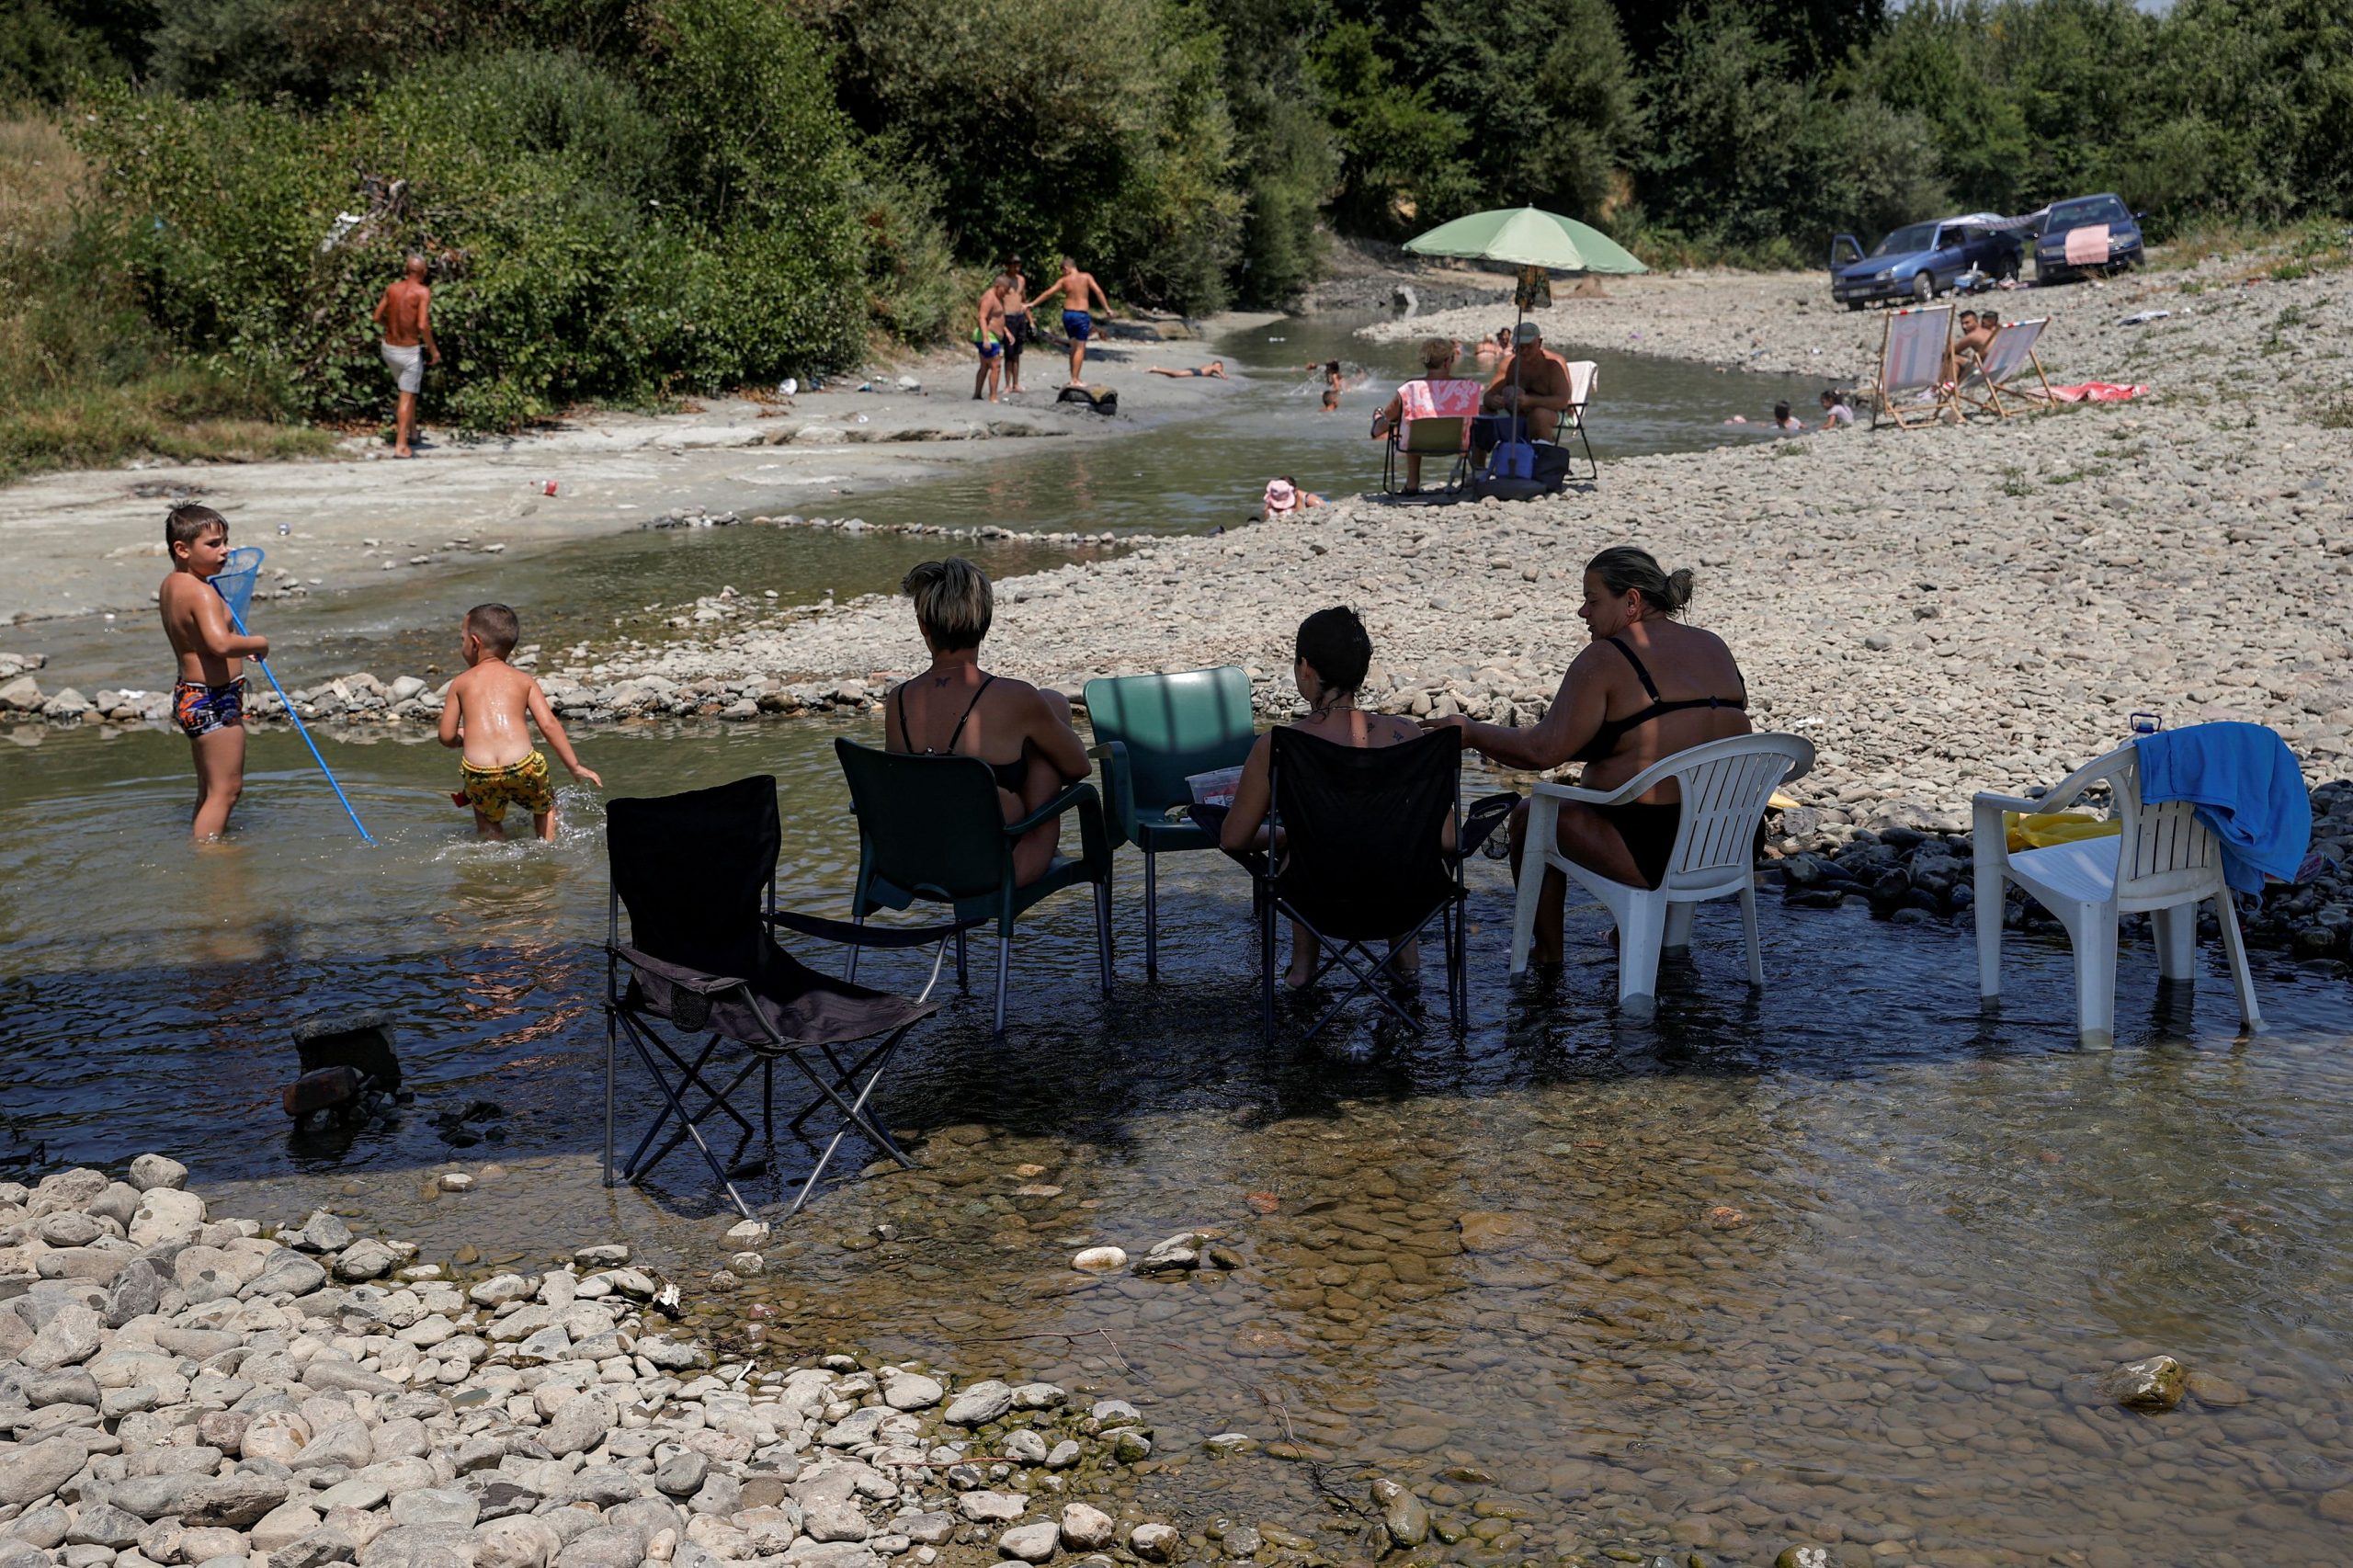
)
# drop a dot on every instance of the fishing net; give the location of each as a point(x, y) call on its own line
point(234, 581)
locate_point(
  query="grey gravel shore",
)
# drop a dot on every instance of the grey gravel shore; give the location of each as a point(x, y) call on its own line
point(178, 1388)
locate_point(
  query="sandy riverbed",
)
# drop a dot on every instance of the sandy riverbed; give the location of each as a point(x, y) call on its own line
point(90, 541)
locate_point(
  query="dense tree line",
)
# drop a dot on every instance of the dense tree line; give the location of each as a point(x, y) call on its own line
point(635, 195)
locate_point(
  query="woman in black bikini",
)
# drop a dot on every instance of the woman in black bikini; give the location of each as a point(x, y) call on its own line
point(1331, 655)
point(955, 708)
point(1647, 688)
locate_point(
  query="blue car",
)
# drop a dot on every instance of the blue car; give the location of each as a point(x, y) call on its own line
point(2122, 245)
point(1919, 261)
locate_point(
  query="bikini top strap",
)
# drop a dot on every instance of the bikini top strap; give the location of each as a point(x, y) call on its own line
point(907, 741)
point(958, 732)
point(1640, 673)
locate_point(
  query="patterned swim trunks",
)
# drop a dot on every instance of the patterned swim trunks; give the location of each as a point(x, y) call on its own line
point(199, 710)
point(491, 790)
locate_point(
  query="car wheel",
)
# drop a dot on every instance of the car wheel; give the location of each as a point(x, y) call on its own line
point(1924, 287)
point(1854, 305)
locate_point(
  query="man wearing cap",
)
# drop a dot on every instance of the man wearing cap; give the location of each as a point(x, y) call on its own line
point(1532, 379)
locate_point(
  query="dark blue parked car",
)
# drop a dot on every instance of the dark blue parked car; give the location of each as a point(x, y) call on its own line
point(1919, 261)
point(2124, 246)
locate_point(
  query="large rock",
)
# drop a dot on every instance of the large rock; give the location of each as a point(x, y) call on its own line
point(991, 1507)
point(1087, 1528)
point(2157, 1382)
point(436, 1505)
point(1032, 1543)
point(1153, 1543)
point(1401, 1514)
point(69, 1336)
point(235, 1500)
point(912, 1391)
point(807, 1553)
point(282, 1527)
point(519, 1541)
point(578, 1425)
point(607, 1546)
point(321, 1233)
point(151, 1171)
point(339, 1446)
point(284, 1273)
point(682, 1476)
point(979, 1404)
point(102, 1524)
point(835, 1521)
point(152, 1497)
point(136, 1291)
point(364, 1260)
point(165, 1214)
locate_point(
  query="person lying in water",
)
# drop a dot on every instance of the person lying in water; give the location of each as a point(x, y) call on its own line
point(1214, 368)
point(955, 708)
point(1645, 687)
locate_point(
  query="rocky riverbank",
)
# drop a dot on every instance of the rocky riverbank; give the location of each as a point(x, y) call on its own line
point(2228, 330)
point(181, 1389)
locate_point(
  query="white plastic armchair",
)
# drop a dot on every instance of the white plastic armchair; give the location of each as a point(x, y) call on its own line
point(1726, 786)
point(2164, 861)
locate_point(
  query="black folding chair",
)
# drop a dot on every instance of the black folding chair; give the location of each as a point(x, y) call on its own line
point(1362, 860)
point(702, 959)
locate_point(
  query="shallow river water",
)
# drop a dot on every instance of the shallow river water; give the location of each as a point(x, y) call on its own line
point(1836, 1262)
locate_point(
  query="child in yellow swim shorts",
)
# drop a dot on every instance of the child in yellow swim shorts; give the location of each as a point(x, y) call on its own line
point(490, 710)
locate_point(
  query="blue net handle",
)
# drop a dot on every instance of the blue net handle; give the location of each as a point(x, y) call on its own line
point(234, 581)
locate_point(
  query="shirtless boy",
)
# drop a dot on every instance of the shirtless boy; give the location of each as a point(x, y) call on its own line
point(1078, 291)
point(988, 337)
point(405, 312)
point(209, 698)
point(489, 710)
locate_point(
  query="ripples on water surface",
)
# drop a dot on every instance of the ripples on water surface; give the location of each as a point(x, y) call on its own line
point(1942, 1226)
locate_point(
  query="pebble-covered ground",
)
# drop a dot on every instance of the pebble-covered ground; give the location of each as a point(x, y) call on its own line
point(182, 1390)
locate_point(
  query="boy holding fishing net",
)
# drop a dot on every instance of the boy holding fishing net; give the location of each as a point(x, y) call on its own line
point(489, 711)
point(208, 696)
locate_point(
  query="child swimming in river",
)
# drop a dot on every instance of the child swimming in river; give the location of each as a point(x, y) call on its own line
point(209, 694)
point(489, 711)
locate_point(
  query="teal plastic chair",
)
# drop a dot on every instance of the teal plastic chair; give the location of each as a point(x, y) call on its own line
point(931, 829)
point(1152, 733)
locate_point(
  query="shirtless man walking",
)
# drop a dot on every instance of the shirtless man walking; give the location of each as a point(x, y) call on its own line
point(1078, 289)
point(988, 337)
point(406, 315)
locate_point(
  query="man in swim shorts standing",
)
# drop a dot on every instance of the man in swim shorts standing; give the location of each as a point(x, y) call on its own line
point(405, 313)
point(1018, 330)
point(489, 710)
point(209, 697)
point(1078, 291)
point(988, 337)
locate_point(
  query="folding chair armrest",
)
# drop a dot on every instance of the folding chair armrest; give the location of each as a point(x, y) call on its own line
point(1479, 822)
point(684, 979)
point(1120, 780)
point(1988, 802)
point(844, 934)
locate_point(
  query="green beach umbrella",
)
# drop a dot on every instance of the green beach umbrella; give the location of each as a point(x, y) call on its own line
point(1527, 236)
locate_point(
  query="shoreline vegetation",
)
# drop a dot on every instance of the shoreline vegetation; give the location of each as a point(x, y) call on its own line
point(627, 205)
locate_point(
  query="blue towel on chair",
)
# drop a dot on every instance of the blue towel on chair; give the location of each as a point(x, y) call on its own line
point(2248, 790)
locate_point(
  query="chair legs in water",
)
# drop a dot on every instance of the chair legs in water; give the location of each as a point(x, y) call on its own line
point(2092, 939)
point(860, 1076)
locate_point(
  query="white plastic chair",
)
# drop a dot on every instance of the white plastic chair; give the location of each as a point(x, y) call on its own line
point(1726, 786)
point(2163, 862)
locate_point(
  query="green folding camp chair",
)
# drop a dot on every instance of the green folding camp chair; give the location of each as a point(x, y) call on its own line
point(1152, 733)
point(931, 828)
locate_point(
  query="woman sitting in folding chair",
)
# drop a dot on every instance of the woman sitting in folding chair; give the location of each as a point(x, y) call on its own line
point(1646, 687)
point(1439, 393)
point(955, 708)
point(1331, 653)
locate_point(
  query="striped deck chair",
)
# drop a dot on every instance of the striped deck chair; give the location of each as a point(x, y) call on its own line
point(1911, 361)
point(2009, 365)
